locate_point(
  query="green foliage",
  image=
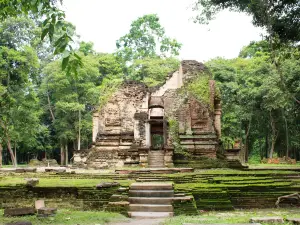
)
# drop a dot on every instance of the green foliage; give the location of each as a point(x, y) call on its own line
point(86, 48)
point(255, 105)
point(153, 71)
point(19, 111)
point(112, 77)
point(53, 22)
point(174, 134)
point(200, 89)
point(145, 38)
point(279, 17)
point(72, 97)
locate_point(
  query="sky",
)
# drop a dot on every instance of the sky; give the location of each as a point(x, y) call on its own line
point(105, 21)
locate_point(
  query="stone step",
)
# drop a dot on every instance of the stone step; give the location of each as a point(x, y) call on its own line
point(142, 215)
point(150, 180)
point(150, 208)
point(293, 220)
point(156, 166)
point(267, 219)
point(151, 193)
point(151, 186)
point(142, 200)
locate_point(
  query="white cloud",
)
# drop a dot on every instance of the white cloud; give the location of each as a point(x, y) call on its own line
point(105, 21)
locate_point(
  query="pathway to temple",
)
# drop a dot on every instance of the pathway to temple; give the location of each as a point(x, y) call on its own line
point(151, 200)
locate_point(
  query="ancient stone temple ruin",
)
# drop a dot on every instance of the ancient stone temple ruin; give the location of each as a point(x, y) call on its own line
point(142, 126)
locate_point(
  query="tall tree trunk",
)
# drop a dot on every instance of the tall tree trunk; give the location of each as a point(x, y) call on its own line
point(79, 129)
point(286, 134)
point(247, 132)
point(49, 105)
point(274, 135)
point(15, 151)
point(62, 154)
point(13, 160)
point(267, 145)
point(1, 149)
point(8, 143)
point(67, 155)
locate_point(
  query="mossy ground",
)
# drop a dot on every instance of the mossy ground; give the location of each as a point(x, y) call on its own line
point(212, 189)
point(237, 216)
point(59, 182)
point(68, 217)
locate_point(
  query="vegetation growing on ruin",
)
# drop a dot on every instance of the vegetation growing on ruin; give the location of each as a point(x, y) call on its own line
point(174, 133)
point(199, 88)
point(153, 71)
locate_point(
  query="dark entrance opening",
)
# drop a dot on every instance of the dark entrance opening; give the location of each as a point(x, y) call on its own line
point(157, 136)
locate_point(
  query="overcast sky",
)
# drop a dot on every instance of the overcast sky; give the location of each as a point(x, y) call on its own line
point(105, 21)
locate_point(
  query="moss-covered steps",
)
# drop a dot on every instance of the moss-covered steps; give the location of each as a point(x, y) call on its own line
point(150, 200)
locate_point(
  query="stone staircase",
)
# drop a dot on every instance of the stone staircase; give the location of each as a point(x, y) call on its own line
point(150, 200)
point(200, 143)
point(156, 159)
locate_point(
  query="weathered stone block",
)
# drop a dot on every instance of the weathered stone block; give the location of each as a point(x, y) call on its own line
point(293, 220)
point(273, 219)
point(56, 170)
point(19, 223)
point(45, 212)
point(30, 170)
point(39, 204)
point(32, 182)
point(20, 170)
point(19, 211)
point(107, 185)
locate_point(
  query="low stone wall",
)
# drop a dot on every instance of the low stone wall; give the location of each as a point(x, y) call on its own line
point(210, 190)
point(185, 206)
point(62, 197)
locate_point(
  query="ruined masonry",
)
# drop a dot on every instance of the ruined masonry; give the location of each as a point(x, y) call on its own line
point(134, 127)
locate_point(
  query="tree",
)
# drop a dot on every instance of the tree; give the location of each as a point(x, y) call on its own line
point(146, 39)
point(279, 17)
point(70, 100)
point(17, 102)
point(153, 71)
point(53, 22)
point(86, 48)
point(255, 107)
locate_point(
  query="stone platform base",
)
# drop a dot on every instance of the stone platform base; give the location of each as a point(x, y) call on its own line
point(155, 171)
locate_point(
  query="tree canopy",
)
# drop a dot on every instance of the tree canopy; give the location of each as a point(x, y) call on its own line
point(146, 39)
point(279, 17)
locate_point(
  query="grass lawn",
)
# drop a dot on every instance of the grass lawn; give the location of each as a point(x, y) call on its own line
point(68, 217)
point(238, 216)
point(264, 165)
point(58, 182)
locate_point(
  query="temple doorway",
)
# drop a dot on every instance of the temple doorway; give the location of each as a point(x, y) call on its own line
point(157, 136)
